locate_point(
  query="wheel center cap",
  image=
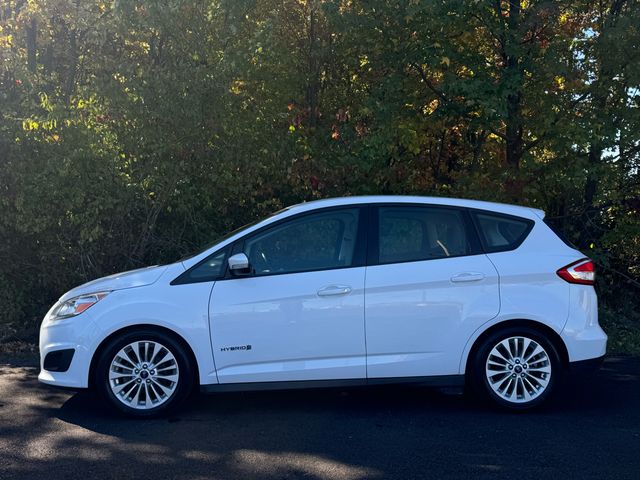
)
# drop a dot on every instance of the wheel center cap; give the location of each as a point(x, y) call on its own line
point(144, 374)
point(518, 369)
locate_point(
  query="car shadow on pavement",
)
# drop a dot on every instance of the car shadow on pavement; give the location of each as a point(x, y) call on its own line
point(577, 394)
point(592, 430)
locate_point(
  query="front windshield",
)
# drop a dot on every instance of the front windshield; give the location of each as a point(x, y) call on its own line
point(229, 235)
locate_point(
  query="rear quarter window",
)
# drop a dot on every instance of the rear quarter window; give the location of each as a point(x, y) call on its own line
point(500, 233)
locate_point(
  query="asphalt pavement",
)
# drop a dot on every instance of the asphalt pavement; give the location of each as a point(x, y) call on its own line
point(591, 430)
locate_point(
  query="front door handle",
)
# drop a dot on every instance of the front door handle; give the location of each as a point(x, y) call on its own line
point(334, 290)
point(467, 277)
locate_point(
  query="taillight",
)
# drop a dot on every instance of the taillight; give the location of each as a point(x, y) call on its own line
point(582, 272)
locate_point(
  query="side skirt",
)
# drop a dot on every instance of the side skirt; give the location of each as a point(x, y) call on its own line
point(440, 381)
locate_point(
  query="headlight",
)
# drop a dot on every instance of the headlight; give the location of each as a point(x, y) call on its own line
point(77, 305)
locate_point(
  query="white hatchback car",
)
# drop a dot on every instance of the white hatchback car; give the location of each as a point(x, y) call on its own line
point(348, 291)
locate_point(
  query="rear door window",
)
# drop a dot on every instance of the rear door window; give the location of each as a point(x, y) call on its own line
point(410, 234)
point(500, 233)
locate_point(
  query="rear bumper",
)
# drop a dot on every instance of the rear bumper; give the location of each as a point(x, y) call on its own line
point(586, 367)
point(582, 334)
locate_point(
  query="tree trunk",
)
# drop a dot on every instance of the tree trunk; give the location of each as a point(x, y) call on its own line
point(513, 122)
point(32, 36)
point(600, 102)
point(590, 190)
point(73, 64)
point(312, 85)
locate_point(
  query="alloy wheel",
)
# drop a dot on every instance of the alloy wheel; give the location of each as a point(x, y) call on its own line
point(518, 369)
point(144, 374)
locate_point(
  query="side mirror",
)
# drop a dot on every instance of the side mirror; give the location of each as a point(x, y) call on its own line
point(239, 264)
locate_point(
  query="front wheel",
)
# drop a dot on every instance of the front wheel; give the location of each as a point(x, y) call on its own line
point(144, 373)
point(517, 368)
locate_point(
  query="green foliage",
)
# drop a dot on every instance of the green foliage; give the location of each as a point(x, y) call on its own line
point(131, 132)
point(621, 324)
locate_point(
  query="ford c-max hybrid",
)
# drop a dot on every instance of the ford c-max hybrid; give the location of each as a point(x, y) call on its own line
point(337, 292)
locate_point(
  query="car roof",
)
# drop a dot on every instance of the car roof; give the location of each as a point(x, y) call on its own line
point(527, 212)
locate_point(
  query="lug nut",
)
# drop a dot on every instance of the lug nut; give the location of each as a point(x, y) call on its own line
point(148, 381)
point(144, 366)
point(138, 380)
point(153, 372)
point(517, 361)
point(137, 371)
point(510, 367)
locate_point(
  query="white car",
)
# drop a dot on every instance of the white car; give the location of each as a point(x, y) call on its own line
point(348, 291)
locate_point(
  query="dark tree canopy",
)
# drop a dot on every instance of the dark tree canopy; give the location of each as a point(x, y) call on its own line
point(131, 131)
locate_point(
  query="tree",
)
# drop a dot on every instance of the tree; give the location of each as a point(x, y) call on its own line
point(133, 131)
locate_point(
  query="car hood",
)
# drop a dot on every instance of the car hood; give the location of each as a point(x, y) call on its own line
point(118, 281)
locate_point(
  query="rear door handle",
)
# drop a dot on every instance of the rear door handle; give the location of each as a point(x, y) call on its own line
point(334, 290)
point(467, 277)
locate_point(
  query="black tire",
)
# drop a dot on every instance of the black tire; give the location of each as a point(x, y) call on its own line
point(481, 384)
point(170, 402)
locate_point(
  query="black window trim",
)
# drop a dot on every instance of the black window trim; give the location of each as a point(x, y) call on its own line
point(366, 248)
point(508, 248)
point(358, 260)
point(373, 241)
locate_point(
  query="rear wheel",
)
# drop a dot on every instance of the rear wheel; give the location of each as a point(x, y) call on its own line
point(517, 368)
point(144, 373)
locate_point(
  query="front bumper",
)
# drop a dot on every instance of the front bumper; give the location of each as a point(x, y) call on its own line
point(62, 335)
